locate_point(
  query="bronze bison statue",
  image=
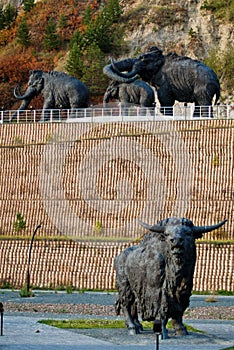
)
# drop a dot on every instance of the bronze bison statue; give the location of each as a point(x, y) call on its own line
point(155, 277)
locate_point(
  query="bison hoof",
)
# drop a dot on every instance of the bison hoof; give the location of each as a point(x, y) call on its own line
point(132, 331)
point(165, 336)
point(181, 332)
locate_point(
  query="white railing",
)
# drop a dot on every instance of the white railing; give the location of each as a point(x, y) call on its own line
point(117, 113)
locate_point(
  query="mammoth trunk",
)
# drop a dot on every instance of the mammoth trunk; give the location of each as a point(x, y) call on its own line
point(23, 107)
point(106, 99)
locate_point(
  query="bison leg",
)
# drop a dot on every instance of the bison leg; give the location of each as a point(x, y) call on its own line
point(138, 325)
point(132, 330)
point(179, 327)
point(130, 315)
point(164, 329)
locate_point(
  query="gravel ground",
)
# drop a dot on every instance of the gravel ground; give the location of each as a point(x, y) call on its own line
point(102, 304)
point(205, 313)
point(213, 318)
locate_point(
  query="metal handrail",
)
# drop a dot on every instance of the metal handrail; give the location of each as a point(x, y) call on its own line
point(118, 113)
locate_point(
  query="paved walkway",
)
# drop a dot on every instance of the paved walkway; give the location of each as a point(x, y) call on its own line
point(23, 332)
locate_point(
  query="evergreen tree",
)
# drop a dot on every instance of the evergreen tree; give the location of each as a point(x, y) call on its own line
point(28, 5)
point(75, 63)
point(87, 17)
point(98, 32)
point(104, 30)
point(113, 11)
point(93, 75)
point(23, 35)
point(78, 39)
point(51, 38)
point(1, 18)
point(9, 15)
point(62, 22)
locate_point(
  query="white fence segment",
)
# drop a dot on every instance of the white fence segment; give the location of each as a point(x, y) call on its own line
point(118, 113)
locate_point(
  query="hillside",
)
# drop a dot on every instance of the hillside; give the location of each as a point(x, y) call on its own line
point(191, 28)
point(201, 29)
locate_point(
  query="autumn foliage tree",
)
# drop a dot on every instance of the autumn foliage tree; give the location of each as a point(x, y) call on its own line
point(45, 31)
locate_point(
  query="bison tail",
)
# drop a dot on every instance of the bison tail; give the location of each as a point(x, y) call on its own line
point(118, 307)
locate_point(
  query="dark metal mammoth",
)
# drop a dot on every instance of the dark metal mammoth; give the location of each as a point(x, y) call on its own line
point(60, 91)
point(137, 93)
point(174, 77)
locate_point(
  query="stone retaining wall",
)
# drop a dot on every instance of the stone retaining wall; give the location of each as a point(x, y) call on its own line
point(90, 265)
point(93, 181)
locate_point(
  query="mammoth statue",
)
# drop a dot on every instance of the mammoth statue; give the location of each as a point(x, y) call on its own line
point(137, 93)
point(174, 77)
point(59, 90)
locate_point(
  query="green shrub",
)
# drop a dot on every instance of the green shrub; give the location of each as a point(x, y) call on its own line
point(20, 223)
point(222, 9)
point(223, 64)
point(24, 293)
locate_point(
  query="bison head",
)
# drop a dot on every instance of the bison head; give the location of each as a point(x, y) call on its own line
point(179, 235)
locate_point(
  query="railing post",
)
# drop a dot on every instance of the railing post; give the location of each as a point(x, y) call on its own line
point(1, 312)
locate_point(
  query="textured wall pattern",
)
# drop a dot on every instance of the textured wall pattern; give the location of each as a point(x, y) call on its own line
point(90, 265)
point(94, 180)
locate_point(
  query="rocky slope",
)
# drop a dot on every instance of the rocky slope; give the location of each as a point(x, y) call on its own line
point(185, 26)
point(188, 27)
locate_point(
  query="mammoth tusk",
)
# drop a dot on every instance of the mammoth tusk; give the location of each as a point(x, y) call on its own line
point(17, 93)
point(28, 95)
point(114, 71)
point(131, 74)
point(154, 228)
point(107, 70)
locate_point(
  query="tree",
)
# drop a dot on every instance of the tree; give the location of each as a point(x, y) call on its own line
point(113, 11)
point(9, 14)
point(75, 63)
point(23, 36)
point(104, 29)
point(87, 16)
point(51, 39)
point(28, 5)
point(1, 18)
point(62, 22)
point(20, 224)
point(93, 75)
point(77, 39)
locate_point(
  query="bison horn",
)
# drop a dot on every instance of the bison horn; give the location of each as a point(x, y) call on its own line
point(154, 228)
point(199, 230)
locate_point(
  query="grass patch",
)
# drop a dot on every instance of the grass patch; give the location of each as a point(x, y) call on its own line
point(102, 323)
point(231, 348)
point(24, 293)
point(218, 292)
point(84, 323)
